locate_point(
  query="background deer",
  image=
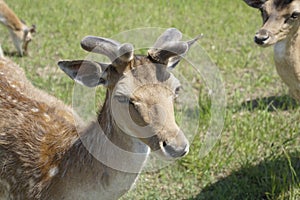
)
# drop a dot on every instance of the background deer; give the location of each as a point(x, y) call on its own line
point(281, 21)
point(45, 155)
point(20, 33)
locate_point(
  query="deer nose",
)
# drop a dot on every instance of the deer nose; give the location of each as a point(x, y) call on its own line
point(177, 147)
point(174, 151)
point(261, 37)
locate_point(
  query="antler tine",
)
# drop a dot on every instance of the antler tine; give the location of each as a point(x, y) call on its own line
point(171, 34)
point(173, 61)
point(192, 41)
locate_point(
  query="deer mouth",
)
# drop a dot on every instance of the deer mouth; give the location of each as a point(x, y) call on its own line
point(173, 149)
point(168, 150)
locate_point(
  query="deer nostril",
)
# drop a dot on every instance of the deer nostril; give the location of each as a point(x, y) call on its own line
point(164, 144)
point(261, 37)
point(261, 40)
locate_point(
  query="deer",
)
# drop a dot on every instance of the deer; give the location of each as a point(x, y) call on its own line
point(45, 154)
point(281, 21)
point(20, 33)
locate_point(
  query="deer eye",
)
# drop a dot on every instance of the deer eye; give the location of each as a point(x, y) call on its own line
point(295, 15)
point(177, 91)
point(122, 99)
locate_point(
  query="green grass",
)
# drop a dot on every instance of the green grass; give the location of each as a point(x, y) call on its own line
point(257, 156)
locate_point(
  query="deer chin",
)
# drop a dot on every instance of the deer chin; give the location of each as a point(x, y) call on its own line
point(272, 42)
point(163, 155)
point(265, 45)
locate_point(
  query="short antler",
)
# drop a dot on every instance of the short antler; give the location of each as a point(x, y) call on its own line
point(116, 52)
point(171, 34)
point(255, 3)
point(168, 49)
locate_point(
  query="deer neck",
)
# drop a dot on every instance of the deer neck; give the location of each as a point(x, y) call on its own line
point(104, 140)
point(286, 52)
point(103, 161)
point(287, 60)
point(9, 18)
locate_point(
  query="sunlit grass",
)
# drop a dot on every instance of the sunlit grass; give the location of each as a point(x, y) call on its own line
point(257, 156)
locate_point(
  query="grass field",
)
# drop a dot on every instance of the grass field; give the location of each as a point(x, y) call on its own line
point(258, 154)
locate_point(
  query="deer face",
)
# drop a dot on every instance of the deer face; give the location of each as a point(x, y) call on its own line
point(21, 38)
point(281, 19)
point(27, 37)
point(141, 89)
point(142, 105)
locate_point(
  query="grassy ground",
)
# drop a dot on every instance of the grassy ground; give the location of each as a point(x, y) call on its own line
point(257, 156)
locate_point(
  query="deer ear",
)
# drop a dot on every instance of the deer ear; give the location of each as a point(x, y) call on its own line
point(85, 72)
point(255, 3)
point(32, 29)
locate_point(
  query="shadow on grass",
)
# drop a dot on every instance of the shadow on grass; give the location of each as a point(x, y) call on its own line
point(271, 103)
point(270, 179)
point(11, 53)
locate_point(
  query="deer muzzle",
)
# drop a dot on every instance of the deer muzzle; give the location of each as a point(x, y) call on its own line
point(262, 37)
point(177, 147)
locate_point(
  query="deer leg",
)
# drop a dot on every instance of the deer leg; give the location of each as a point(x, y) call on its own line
point(1, 52)
point(295, 94)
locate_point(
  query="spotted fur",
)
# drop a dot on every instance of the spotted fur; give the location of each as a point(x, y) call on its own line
point(44, 154)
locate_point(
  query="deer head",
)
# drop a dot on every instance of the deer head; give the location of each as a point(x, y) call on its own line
point(281, 19)
point(27, 37)
point(21, 38)
point(140, 88)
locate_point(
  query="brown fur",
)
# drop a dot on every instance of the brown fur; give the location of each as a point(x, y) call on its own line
point(32, 157)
